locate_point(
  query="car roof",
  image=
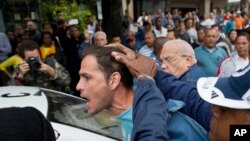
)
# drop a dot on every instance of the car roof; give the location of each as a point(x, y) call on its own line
point(22, 96)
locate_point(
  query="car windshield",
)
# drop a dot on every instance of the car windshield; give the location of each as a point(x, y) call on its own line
point(71, 111)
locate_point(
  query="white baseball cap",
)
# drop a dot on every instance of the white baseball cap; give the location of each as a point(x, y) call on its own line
point(232, 92)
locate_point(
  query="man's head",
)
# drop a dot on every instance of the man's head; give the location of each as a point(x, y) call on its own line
point(18, 30)
point(73, 31)
point(100, 39)
point(149, 39)
point(158, 44)
point(147, 25)
point(210, 38)
point(10, 34)
point(158, 22)
point(131, 41)
point(29, 48)
point(116, 39)
point(91, 19)
point(46, 27)
point(59, 15)
point(101, 77)
point(230, 99)
point(217, 28)
point(242, 45)
point(189, 23)
point(31, 26)
point(177, 56)
point(172, 34)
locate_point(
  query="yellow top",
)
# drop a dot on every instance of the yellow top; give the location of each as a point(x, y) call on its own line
point(11, 61)
point(47, 51)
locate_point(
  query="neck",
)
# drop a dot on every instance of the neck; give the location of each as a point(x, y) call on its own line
point(123, 99)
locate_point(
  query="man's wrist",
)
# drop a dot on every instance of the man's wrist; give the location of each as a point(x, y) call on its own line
point(144, 76)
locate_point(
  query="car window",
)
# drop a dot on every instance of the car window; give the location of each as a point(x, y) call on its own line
point(71, 111)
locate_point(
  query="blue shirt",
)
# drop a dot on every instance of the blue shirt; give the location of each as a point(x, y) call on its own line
point(209, 61)
point(192, 75)
point(5, 47)
point(126, 124)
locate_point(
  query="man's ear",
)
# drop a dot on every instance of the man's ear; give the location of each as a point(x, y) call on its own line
point(217, 111)
point(114, 80)
point(189, 60)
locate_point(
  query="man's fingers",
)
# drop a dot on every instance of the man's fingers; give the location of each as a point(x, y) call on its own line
point(128, 52)
point(120, 57)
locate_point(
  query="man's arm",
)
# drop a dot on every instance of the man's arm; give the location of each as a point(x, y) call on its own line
point(149, 113)
point(6, 47)
point(195, 106)
point(61, 75)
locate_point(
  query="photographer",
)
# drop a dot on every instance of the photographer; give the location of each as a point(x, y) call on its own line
point(34, 71)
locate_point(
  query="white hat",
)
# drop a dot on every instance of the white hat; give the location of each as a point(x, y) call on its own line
point(232, 92)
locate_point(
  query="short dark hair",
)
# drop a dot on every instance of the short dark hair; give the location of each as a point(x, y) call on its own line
point(158, 44)
point(27, 45)
point(176, 33)
point(46, 23)
point(46, 33)
point(217, 25)
point(108, 64)
point(243, 34)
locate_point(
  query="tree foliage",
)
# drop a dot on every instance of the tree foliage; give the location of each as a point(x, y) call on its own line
point(70, 10)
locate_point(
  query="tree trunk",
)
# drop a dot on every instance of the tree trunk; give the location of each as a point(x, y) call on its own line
point(244, 6)
point(112, 18)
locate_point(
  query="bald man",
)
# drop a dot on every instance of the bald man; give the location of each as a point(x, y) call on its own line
point(148, 49)
point(178, 58)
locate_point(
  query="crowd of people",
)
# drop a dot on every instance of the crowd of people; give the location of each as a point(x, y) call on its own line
point(186, 72)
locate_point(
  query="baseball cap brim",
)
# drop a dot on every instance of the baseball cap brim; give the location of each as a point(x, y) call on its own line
point(218, 91)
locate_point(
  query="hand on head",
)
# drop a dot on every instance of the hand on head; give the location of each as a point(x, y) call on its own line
point(137, 64)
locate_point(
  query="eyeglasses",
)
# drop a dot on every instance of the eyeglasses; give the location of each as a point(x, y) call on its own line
point(170, 60)
point(57, 134)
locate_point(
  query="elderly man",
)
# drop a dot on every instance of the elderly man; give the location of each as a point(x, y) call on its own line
point(229, 97)
point(177, 57)
point(100, 39)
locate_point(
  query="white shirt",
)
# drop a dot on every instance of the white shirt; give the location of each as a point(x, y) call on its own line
point(192, 35)
point(140, 20)
point(232, 64)
point(162, 33)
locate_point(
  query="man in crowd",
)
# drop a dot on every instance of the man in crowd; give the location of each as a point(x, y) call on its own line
point(229, 97)
point(106, 84)
point(209, 56)
point(159, 30)
point(33, 71)
point(177, 57)
point(35, 35)
point(100, 39)
point(5, 49)
point(148, 49)
point(238, 59)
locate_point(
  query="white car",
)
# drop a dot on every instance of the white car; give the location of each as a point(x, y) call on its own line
point(66, 113)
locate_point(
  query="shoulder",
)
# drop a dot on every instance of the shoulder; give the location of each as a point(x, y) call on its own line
point(227, 62)
point(198, 49)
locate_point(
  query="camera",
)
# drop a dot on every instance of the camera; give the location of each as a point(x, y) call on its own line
point(34, 63)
